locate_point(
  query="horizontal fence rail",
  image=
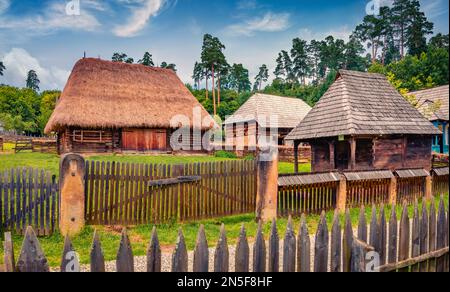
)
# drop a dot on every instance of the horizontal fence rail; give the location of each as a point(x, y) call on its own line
point(393, 244)
point(28, 197)
point(129, 194)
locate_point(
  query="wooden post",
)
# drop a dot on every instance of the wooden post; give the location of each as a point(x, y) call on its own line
point(267, 186)
point(342, 194)
point(72, 182)
point(8, 247)
point(296, 158)
point(332, 154)
point(359, 256)
point(429, 187)
point(393, 191)
point(352, 153)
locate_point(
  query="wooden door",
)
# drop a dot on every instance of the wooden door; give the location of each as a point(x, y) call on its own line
point(144, 140)
point(342, 155)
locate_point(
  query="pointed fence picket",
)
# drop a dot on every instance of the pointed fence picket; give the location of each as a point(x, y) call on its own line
point(338, 251)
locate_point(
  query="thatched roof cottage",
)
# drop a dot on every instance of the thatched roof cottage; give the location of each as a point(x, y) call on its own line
point(110, 107)
point(363, 123)
point(437, 96)
point(260, 114)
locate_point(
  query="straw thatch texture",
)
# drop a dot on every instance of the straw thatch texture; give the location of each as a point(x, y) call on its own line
point(103, 94)
point(289, 112)
point(362, 104)
point(434, 95)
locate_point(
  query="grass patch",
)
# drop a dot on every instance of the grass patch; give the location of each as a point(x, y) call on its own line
point(50, 162)
point(140, 235)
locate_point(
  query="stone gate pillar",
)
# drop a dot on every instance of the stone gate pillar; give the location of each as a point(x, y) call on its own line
point(72, 194)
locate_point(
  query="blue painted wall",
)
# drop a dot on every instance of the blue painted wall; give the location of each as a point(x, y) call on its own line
point(437, 147)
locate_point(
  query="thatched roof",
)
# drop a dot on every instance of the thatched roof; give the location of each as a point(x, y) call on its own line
point(361, 104)
point(104, 94)
point(289, 111)
point(434, 95)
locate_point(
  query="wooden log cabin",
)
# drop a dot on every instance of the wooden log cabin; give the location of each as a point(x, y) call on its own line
point(111, 107)
point(262, 113)
point(363, 123)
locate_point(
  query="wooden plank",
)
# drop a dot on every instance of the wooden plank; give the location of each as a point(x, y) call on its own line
point(242, 253)
point(289, 249)
point(393, 236)
point(347, 242)
point(32, 258)
point(8, 254)
point(201, 252)
point(362, 225)
point(415, 244)
point(404, 241)
point(125, 259)
point(442, 232)
point(374, 239)
point(259, 252)
point(336, 244)
point(359, 254)
point(432, 235)
point(383, 233)
point(154, 254)
point(180, 255)
point(97, 258)
point(303, 248)
point(69, 260)
point(424, 241)
point(274, 249)
point(321, 246)
point(221, 255)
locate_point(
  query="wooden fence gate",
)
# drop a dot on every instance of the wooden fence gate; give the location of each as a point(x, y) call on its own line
point(130, 194)
point(28, 197)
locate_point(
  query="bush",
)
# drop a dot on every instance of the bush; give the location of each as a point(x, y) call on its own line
point(225, 154)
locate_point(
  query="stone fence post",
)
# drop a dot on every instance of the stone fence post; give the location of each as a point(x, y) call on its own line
point(72, 192)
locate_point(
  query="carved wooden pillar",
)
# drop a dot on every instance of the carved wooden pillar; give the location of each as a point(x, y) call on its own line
point(296, 158)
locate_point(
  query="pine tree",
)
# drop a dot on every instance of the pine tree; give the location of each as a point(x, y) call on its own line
point(288, 67)
point(299, 55)
point(279, 72)
point(2, 68)
point(263, 76)
point(314, 52)
point(197, 75)
point(147, 60)
point(440, 41)
point(418, 30)
point(33, 80)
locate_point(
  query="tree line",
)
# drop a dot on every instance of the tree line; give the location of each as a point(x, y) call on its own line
point(394, 43)
point(147, 60)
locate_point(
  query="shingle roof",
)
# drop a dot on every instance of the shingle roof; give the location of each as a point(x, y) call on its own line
point(434, 95)
point(362, 104)
point(260, 107)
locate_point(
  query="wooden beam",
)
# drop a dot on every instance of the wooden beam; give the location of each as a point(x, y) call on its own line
point(352, 153)
point(296, 162)
point(332, 155)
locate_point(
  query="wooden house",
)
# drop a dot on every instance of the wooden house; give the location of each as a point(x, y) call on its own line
point(260, 114)
point(439, 96)
point(363, 123)
point(114, 107)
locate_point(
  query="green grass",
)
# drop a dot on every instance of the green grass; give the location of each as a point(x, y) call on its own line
point(289, 168)
point(140, 235)
point(50, 162)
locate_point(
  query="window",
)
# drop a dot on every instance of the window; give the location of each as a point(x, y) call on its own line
point(85, 136)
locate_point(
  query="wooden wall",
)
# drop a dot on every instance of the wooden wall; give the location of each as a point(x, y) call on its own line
point(320, 156)
point(388, 152)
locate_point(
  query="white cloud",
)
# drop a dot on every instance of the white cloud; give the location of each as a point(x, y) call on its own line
point(141, 15)
point(247, 4)
point(270, 22)
point(18, 62)
point(53, 17)
point(4, 5)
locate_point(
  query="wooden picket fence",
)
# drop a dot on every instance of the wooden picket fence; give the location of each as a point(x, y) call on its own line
point(394, 246)
point(367, 192)
point(130, 194)
point(314, 192)
point(28, 197)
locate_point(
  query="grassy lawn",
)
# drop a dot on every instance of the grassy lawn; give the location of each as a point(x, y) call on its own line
point(140, 235)
point(50, 162)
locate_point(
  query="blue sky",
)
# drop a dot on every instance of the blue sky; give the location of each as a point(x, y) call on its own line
point(40, 35)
